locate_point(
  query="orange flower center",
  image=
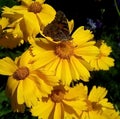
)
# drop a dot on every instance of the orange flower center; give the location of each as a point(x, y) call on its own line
point(92, 106)
point(64, 49)
point(35, 7)
point(58, 94)
point(21, 73)
point(101, 55)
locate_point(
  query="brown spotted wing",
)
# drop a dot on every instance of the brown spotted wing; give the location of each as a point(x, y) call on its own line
point(58, 29)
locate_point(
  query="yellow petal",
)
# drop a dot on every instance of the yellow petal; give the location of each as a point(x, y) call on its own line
point(109, 61)
point(102, 65)
point(105, 62)
point(88, 56)
point(81, 92)
point(41, 112)
point(31, 24)
point(95, 115)
point(49, 77)
point(4, 22)
point(20, 91)
point(40, 1)
point(77, 105)
point(69, 111)
point(89, 43)
point(96, 94)
point(11, 86)
point(41, 45)
point(71, 25)
point(74, 72)
point(86, 64)
point(70, 115)
point(66, 73)
point(111, 114)
point(45, 58)
point(7, 66)
point(59, 69)
point(43, 86)
point(59, 112)
point(17, 31)
point(13, 13)
point(81, 69)
point(36, 84)
point(29, 89)
point(47, 14)
point(26, 2)
point(104, 102)
point(83, 51)
point(26, 59)
point(52, 66)
point(80, 36)
point(106, 50)
point(94, 64)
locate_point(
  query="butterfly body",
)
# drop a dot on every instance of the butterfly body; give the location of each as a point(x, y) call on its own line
point(58, 29)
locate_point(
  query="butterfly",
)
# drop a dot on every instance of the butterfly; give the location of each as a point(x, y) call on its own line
point(58, 29)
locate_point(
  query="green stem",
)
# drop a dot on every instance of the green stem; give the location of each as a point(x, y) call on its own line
point(116, 6)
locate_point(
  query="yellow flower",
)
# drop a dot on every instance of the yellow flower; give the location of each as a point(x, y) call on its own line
point(103, 61)
point(10, 35)
point(63, 103)
point(35, 14)
point(69, 59)
point(25, 85)
point(98, 106)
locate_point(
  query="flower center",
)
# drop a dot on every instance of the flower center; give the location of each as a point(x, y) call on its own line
point(57, 94)
point(64, 49)
point(35, 7)
point(92, 106)
point(21, 73)
point(101, 55)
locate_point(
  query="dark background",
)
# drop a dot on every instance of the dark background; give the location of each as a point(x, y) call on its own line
point(79, 10)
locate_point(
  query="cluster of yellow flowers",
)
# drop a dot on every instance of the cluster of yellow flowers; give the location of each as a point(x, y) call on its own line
point(40, 78)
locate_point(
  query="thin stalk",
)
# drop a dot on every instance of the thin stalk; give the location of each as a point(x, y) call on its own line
point(116, 6)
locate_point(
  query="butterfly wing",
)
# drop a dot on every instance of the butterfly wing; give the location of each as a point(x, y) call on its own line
point(58, 29)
